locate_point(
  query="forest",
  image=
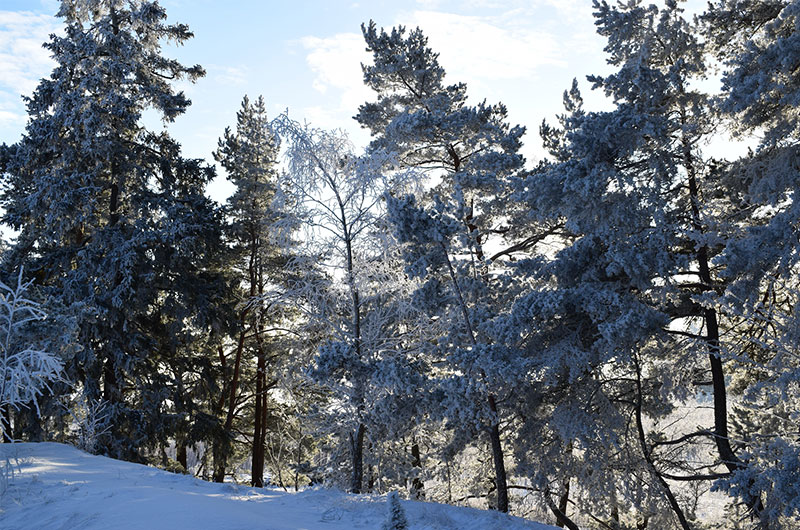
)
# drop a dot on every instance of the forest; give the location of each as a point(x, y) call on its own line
point(607, 338)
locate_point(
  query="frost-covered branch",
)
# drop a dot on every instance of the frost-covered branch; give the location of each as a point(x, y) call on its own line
point(25, 370)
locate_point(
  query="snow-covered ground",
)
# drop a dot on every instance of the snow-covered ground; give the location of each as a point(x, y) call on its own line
point(57, 487)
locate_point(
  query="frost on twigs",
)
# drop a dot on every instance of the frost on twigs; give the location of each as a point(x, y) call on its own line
point(25, 370)
point(92, 421)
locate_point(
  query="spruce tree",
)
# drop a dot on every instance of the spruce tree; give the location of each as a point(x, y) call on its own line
point(112, 220)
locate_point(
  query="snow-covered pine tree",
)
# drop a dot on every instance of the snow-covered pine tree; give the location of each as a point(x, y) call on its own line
point(249, 155)
point(111, 219)
point(759, 42)
point(631, 322)
point(462, 234)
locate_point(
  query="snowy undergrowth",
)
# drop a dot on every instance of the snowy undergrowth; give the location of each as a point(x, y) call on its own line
point(57, 487)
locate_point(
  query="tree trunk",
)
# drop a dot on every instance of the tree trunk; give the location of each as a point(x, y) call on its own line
point(259, 429)
point(357, 440)
point(5, 423)
point(110, 384)
point(221, 448)
point(262, 441)
point(497, 456)
point(220, 461)
point(727, 457)
point(417, 486)
point(561, 516)
point(357, 453)
point(182, 456)
point(563, 502)
point(299, 460)
point(494, 430)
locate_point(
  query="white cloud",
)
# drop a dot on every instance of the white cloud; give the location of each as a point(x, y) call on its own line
point(23, 61)
point(228, 75)
point(429, 4)
point(473, 47)
point(336, 65)
point(336, 60)
point(9, 118)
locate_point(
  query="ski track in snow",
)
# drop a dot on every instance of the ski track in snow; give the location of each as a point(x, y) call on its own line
point(58, 487)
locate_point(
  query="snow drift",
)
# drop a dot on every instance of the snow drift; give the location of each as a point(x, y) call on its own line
point(55, 486)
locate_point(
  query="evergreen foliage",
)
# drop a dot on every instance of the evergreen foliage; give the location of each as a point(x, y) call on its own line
point(111, 219)
point(472, 158)
point(614, 331)
point(258, 262)
point(396, 520)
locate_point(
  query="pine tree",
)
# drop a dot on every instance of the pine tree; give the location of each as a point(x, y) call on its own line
point(472, 157)
point(630, 319)
point(112, 220)
point(249, 155)
point(755, 39)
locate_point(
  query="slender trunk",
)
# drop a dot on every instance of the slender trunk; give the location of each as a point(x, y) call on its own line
point(417, 486)
point(257, 471)
point(299, 460)
point(357, 439)
point(237, 367)
point(727, 457)
point(5, 423)
point(110, 384)
point(222, 446)
point(262, 441)
point(357, 453)
point(500, 478)
point(202, 471)
point(259, 430)
point(563, 503)
point(724, 449)
point(497, 456)
point(561, 516)
point(182, 456)
point(614, 509)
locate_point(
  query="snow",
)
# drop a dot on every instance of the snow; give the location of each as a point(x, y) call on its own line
point(56, 486)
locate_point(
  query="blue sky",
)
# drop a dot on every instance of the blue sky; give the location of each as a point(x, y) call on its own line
point(305, 55)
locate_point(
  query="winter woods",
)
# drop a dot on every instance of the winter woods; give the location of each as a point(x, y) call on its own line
point(607, 338)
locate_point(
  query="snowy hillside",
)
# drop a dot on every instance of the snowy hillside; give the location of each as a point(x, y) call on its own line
point(56, 486)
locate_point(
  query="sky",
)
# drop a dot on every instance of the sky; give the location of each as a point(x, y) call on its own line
point(306, 55)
